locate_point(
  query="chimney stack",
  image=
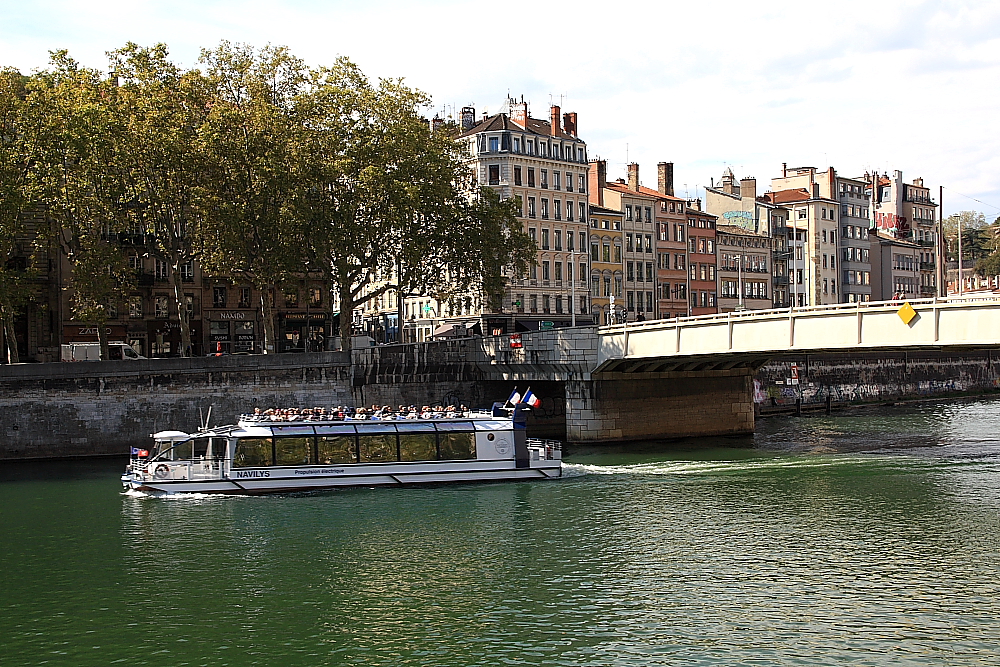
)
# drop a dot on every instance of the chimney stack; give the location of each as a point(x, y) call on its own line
point(554, 120)
point(815, 190)
point(633, 177)
point(748, 188)
point(784, 169)
point(597, 179)
point(665, 178)
point(569, 123)
point(468, 118)
point(519, 112)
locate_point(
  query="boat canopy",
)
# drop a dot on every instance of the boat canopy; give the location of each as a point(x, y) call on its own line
point(172, 436)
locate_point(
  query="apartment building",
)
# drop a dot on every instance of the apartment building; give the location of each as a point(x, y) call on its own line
point(607, 276)
point(737, 205)
point(895, 266)
point(813, 229)
point(639, 232)
point(702, 260)
point(543, 164)
point(744, 269)
point(906, 211)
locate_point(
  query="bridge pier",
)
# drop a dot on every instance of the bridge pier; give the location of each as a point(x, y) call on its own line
point(620, 407)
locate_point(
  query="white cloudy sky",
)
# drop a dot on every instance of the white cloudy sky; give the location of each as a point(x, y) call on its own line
point(860, 85)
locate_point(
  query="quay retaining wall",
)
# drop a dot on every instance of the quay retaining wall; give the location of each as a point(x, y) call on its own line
point(872, 378)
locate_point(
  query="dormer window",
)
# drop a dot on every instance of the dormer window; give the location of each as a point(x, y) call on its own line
point(494, 144)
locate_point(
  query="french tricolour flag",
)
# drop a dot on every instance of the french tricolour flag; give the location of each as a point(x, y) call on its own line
point(531, 399)
point(515, 397)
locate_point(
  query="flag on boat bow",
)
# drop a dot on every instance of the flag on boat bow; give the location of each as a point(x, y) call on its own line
point(531, 399)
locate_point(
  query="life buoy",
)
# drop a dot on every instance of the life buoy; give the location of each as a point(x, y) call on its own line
point(161, 471)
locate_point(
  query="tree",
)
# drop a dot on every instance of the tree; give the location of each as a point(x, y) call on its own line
point(15, 270)
point(973, 241)
point(160, 110)
point(247, 141)
point(384, 199)
point(76, 178)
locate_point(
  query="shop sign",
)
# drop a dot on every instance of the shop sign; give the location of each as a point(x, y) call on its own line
point(220, 338)
point(247, 337)
point(233, 315)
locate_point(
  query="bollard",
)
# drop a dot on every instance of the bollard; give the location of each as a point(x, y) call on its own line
point(798, 407)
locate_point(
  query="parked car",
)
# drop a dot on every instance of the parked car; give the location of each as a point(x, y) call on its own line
point(92, 352)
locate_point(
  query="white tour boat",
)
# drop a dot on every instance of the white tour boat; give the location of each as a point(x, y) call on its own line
point(308, 450)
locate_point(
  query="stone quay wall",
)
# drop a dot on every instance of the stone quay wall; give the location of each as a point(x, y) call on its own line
point(876, 377)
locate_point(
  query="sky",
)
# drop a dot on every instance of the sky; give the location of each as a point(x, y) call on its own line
point(858, 85)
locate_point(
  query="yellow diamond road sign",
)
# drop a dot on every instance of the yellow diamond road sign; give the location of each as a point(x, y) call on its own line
point(906, 313)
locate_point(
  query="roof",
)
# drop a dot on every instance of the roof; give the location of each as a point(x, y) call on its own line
point(624, 189)
point(503, 122)
point(695, 211)
point(602, 210)
point(736, 229)
point(794, 196)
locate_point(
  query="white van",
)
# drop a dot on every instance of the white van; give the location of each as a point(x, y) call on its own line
point(92, 352)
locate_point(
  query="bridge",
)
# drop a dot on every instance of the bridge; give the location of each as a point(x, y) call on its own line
point(694, 375)
point(750, 338)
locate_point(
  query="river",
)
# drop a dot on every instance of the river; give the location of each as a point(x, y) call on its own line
point(869, 537)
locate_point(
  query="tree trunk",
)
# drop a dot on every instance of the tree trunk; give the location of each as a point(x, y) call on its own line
point(10, 338)
point(346, 316)
point(102, 339)
point(182, 314)
point(267, 314)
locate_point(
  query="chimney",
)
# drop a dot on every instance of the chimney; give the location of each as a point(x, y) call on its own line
point(784, 169)
point(569, 123)
point(665, 178)
point(519, 112)
point(436, 124)
point(748, 188)
point(633, 177)
point(597, 179)
point(468, 118)
point(554, 120)
point(815, 190)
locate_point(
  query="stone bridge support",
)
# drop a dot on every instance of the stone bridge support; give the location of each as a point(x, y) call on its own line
point(620, 407)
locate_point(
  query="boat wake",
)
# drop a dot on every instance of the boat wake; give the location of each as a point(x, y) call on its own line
point(712, 467)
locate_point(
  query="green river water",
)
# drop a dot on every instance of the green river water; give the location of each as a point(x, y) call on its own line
point(865, 538)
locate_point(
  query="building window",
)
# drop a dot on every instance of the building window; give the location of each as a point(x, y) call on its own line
point(244, 297)
point(559, 304)
point(556, 178)
point(531, 207)
point(581, 183)
point(161, 309)
point(544, 178)
point(649, 214)
point(545, 270)
point(187, 272)
point(546, 303)
point(630, 298)
point(135, 307)
point(583, 210)
point(628, 213)
point(569, 211)
point(517, 171)
point(161, 270)
point(649, 243)
point(531, 177)
point(494, 174)
point(558, 268)
point(545, 236)
point(219, 296)
point(291, 298)
point(557, 239)
point(569, 182)
point(557, 209)
point(315, 297)
point(545, 208)
point(607, 251)
point(494, 144)
point(594, 251)
point(135, 262)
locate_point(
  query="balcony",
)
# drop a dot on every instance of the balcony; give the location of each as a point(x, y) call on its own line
point(925, 243)
point(927, 266)
point(780, 280)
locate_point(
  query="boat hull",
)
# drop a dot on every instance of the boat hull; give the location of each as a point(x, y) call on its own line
point(310, 478)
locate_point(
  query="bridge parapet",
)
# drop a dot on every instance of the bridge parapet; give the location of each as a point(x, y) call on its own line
point(935, 323)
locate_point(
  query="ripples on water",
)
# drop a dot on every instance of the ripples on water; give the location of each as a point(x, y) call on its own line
point(791, 549)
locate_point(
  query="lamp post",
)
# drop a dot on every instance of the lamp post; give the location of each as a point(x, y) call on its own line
point(739, 269)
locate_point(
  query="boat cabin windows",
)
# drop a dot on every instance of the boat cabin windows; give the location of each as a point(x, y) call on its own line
point(417, 441)
point(253, 453)
point(358, 443)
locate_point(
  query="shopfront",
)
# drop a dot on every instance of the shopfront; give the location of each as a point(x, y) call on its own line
point(77, 333)
point(163, 339)
point(233, 331)
point(301, 334)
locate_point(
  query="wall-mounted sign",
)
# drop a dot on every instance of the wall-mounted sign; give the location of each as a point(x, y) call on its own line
point(233, 315)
